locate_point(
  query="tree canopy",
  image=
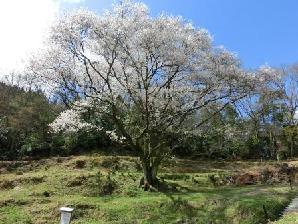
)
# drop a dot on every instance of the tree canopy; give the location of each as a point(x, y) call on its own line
point(141, 79)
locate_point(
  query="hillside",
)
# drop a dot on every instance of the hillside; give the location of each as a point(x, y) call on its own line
point(104, 189)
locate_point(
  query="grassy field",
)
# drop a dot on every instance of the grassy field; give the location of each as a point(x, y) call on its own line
point(104, 189)
point(288, 219)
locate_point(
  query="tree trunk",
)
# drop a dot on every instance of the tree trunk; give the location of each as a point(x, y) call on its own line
point(150, 176)
point(292, 147)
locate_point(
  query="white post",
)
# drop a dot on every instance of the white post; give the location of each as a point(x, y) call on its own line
point(65, 215)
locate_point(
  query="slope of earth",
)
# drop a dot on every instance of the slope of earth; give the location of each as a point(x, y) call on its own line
point(105, 189)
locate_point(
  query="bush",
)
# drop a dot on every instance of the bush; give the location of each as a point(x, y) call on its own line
point(80, 164)
point(111, 163)
point(105, 184)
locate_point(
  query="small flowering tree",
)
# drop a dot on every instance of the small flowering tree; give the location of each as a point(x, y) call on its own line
point(149, 77)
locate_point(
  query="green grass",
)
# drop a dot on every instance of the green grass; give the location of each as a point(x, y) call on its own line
point(33, 193)
point(287, 219)
point(12, 214)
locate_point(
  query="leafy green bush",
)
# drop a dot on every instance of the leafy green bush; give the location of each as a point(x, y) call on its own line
point(105, 184)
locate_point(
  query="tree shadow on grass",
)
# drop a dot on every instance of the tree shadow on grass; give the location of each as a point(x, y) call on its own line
point(196, 210)
point(216, 200)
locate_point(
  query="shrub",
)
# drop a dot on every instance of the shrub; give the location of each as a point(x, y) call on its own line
point(266, 176)
point(80, 164)
point(213, 179)
point(6, 184)
point(111, 163)
point(105, 184)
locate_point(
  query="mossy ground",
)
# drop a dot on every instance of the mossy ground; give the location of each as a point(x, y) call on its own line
point(32, 192)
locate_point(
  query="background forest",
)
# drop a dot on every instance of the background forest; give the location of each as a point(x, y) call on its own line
point(265, 128)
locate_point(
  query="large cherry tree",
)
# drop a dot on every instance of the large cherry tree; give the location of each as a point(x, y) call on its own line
point(148, 76)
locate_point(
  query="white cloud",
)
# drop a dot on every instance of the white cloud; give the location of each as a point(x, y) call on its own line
point(73, 1)
point(23, 25)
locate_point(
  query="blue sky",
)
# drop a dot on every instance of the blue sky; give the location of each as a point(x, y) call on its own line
point(258, 31)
